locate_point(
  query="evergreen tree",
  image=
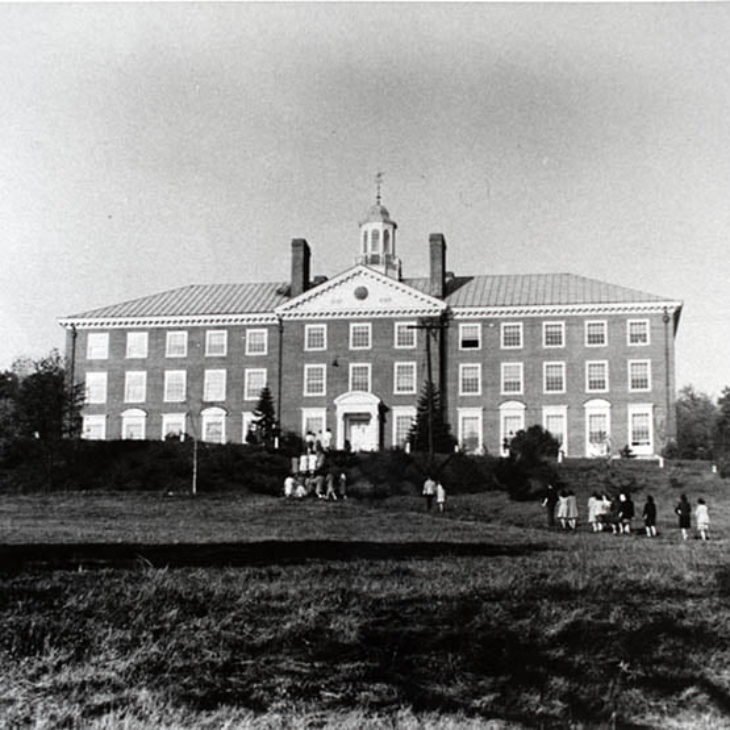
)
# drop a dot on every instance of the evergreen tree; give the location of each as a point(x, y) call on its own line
point(443, 441)
point(265, 417)
point(722, 424)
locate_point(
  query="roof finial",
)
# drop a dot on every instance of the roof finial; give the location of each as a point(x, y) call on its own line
point(378, 183)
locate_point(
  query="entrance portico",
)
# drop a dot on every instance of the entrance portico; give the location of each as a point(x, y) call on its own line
point(357, 416)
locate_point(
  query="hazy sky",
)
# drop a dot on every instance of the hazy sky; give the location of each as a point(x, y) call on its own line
point(145, 147)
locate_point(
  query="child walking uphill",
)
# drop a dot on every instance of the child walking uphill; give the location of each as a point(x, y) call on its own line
point(683, 510)
point(650, 516)
point(702, 515)
point(440, 496)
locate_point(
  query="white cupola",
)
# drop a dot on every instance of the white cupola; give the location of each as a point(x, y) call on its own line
point(377, 240)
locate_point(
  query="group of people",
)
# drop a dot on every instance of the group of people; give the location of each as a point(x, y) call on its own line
point(311, 476)
point(434, 489)
point(616, 515)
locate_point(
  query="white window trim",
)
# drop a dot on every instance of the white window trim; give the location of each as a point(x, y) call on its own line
point(641, 409)
point(308, 368)
point(167, 343)
point(510, 408)
point(502, 367)
point(544, 377)
point(100, 375)
point(405, 325)
point(98, 336)
point(356, 325)
point(206, 387)
point(164, 430)
point(130, 336)
point(586, 324)
point(402, 412)
point(247, 418)
point(600, 406)
point(545, 325)
point(370, 375)
point(208, 337)
point(308, 413)
point(608, 382)
point(648, 374)
point(414, 386)
point(645, 322)
point(247, 374)
point(464, 365)
point(462, 327)
point(209, 414)
point(127, 375)
point(461, 414)
point(257, 331)
point(167, 375)
point(97, 419)
point(561, 411)
point(502, 327)
point(309, 328)
point(138, 415)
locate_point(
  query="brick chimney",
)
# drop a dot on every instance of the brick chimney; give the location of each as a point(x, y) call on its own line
point(437, 245)
point(300, 257)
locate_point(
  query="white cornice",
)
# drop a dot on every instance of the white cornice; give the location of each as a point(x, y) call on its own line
point(190, 320)
point(545, 310)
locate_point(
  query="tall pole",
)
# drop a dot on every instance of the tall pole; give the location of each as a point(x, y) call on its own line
point(429, 375)
point(668, 390)
point(195, 465)
point(278, 383)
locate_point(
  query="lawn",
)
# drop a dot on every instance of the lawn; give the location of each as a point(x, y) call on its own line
point(476, 618)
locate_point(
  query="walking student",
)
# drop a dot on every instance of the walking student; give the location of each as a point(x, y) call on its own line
point(702, 515)
point(429, 490)
point(551, 499)
point(649, 515)
point(440, 496)
point(625, 512)
point(683, 510)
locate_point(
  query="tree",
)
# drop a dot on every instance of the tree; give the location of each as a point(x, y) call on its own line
point(265, 417)
point(722, 425)
point(443, 441)
point(533, 446)
point(696, 424)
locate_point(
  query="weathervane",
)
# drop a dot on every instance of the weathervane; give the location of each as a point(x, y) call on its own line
point(378, 183)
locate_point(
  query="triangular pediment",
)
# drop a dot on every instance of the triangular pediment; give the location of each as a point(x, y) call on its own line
point(361, 292)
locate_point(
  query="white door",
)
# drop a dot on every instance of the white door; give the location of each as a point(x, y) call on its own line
point(359, 436)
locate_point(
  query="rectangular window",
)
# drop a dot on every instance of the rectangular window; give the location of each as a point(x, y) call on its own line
point(470, 429)
point(214, 425)
point(470, 336)
point(511, 336)
point(596, 333)
point(597, 376)
point(360, 335)
point(641, 437)
point(94, 428)
point(637, 331)
point(254, 381)
point(95, 388)
point(175, 381)
point(597, 428)
point(512, 378)
point(134, 425)
point(639, 375)
point(404, 378)
point(214, 385)
point(257, 342)
point(176, 344)
point(315, 337)
point(405, 335)
point(313, 421)
point(173, 425)
point(553, 377)
point(315, 380)
point(555, 420)
point(136, 344)
point(360, 376)
point(216, 343)
point(135, 386)
point(553, 334)
point(97, 346)
point(470, 379)
point(403, 418)
point(512, 420)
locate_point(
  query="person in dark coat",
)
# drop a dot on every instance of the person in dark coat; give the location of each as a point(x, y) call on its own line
point(649, 515)
point(683, 510)
point(551, 499)
point(625, 512)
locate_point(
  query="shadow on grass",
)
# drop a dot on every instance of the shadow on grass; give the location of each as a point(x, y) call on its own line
point(239, 554)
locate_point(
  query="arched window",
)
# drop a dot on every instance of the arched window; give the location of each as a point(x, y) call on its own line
point(374, 241)
point(364, 242)
point(386, 241)
point(133, 424)
point(511, 420)
point(213, 425)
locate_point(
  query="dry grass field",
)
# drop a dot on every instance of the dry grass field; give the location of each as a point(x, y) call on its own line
point(140, 610)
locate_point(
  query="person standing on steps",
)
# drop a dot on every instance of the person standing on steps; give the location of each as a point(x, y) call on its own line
point(429, 491)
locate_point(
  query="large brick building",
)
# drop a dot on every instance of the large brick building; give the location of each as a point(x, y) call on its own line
point(591, 361)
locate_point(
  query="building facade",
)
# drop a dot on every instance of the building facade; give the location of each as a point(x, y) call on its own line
point(591, 361)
